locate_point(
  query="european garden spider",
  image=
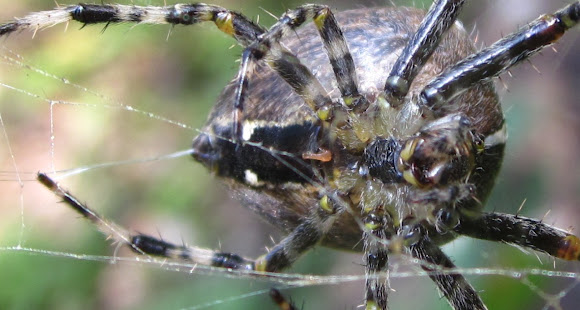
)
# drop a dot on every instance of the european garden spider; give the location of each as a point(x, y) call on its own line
point(360, 152)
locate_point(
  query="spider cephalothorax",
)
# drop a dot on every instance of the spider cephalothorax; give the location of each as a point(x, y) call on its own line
point(380, 125)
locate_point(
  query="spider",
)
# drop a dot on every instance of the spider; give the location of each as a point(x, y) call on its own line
point(433, 159)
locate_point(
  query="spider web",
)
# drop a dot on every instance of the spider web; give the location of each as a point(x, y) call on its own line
point(111, 113)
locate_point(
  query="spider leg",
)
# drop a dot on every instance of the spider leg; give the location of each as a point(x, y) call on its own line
point(299, 77)
point(376, 262)
point(294, 72)
point(521, 231)
point(334, 44)
point(232, 23)
point(281, 301)
point(301, 239)
point(497, 58)
point(289, 67)
point(440, 17)
point(459, 293)
point(304, 237)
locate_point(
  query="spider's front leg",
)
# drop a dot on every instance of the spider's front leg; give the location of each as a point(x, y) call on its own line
point(521, 231)
point(441, 15)
point(498, 58)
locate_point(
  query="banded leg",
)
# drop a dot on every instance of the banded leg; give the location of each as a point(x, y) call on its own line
point(334, 43)
point(285, 253)
point(247, 33)
point(440, 17)
point(297, 75)
point(459, 293)
point(498, 58)
point(232, 23)
point(289, 67)
point(376, 260)
point(522, 231)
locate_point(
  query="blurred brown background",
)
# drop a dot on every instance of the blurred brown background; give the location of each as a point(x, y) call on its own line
point(179, 78)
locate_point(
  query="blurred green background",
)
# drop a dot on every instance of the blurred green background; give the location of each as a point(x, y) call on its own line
point(179, 78)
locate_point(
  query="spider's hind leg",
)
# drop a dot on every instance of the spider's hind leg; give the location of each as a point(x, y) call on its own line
point(281, 256)
point(144, 244)
point(232, 23)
